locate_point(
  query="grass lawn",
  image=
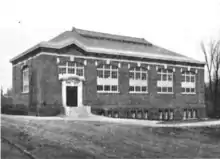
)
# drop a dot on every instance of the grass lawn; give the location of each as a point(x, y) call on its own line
point(9, 152)
point(84, 139)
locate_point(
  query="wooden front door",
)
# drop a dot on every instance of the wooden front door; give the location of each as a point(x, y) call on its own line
point(71, 96)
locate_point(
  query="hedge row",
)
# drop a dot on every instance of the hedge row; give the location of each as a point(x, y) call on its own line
point(14, 109)
point(19, 109)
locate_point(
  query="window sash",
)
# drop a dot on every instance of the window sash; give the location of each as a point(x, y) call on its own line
point(109, 72)
point(107, 88)
point(138, 80)
point(25, 80)
point(188, 83)
point(165, 81)
point(107, 79)
point(71, 68)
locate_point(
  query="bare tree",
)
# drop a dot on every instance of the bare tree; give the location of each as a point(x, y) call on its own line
point(212, 57)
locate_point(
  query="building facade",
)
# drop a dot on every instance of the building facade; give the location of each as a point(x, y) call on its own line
point(115, 75)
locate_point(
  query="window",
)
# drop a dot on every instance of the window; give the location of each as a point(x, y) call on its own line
point(184, 115)
point(190, 114)
point(160, 115)
point(165, 81)
point(188, 83)
point(138, 80)
point(25, 80)
point(194, 114)
point(71, 68)
point(107, 79)
point(171, 114)
point(146, 115)
point(166, 115)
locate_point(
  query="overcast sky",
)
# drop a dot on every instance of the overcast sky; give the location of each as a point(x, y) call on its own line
point(178, 25)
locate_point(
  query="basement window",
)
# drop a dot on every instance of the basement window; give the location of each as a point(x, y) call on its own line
point(138, 80)
point(25, 80)
point(165, 81)
point(107, 79)
point(188, 83)
point(190, 114)
point(171, 115)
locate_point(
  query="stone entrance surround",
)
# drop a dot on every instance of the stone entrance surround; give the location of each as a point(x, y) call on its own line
point(73, 80)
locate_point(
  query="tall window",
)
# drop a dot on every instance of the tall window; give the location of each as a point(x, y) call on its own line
point(71, 68)
point(165, 81)
point(188, 83)
point(107, 79)
point(138, 80)
point(25, 80)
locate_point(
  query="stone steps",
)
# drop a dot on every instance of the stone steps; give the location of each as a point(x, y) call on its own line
point(83, 111)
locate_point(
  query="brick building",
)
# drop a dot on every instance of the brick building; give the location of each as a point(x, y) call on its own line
point(116, 75)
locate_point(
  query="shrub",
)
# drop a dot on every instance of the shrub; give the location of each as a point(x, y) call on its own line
point(11, 109)
point(50, 110)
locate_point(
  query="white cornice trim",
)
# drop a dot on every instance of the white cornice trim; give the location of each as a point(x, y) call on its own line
point(118, 60)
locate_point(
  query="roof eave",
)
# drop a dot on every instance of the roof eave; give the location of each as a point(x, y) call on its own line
point(47, 45)
point(25, 53)
point(41, 44)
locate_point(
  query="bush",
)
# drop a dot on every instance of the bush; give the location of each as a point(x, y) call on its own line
point(50, 110)
point(11, 109)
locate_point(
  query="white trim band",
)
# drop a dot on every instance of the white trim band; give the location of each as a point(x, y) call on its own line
point(128, 61)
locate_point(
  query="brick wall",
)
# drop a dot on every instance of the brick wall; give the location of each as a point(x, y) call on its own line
point(18, 96)
point(152, 99)
point(48, 82)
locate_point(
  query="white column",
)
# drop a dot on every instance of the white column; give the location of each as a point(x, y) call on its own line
point(80, 94)
point(64, 97)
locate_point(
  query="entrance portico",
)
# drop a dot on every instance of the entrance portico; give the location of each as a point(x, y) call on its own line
point(72, 92)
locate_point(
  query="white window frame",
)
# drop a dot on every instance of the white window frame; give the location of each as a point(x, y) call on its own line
point(110, 81)
point(164, 83)
point(25, 80)
point(188, 84)
point(73, 66)
point(134, 82)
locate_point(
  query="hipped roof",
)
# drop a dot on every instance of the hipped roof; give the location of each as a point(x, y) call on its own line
point(103, 43)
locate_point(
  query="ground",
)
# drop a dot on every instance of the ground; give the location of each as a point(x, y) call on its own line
point(55, 138)
point(9, 152)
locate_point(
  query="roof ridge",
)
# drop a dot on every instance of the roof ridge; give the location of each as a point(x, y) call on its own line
point(95, 34)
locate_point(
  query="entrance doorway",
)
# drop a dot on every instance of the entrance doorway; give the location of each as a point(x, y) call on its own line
point(71, 96)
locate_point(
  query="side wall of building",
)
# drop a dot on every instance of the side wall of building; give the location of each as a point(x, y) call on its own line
point(30, 98)
point(152, 100)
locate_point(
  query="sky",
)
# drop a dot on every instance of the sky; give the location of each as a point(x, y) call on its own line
point(177, 25)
